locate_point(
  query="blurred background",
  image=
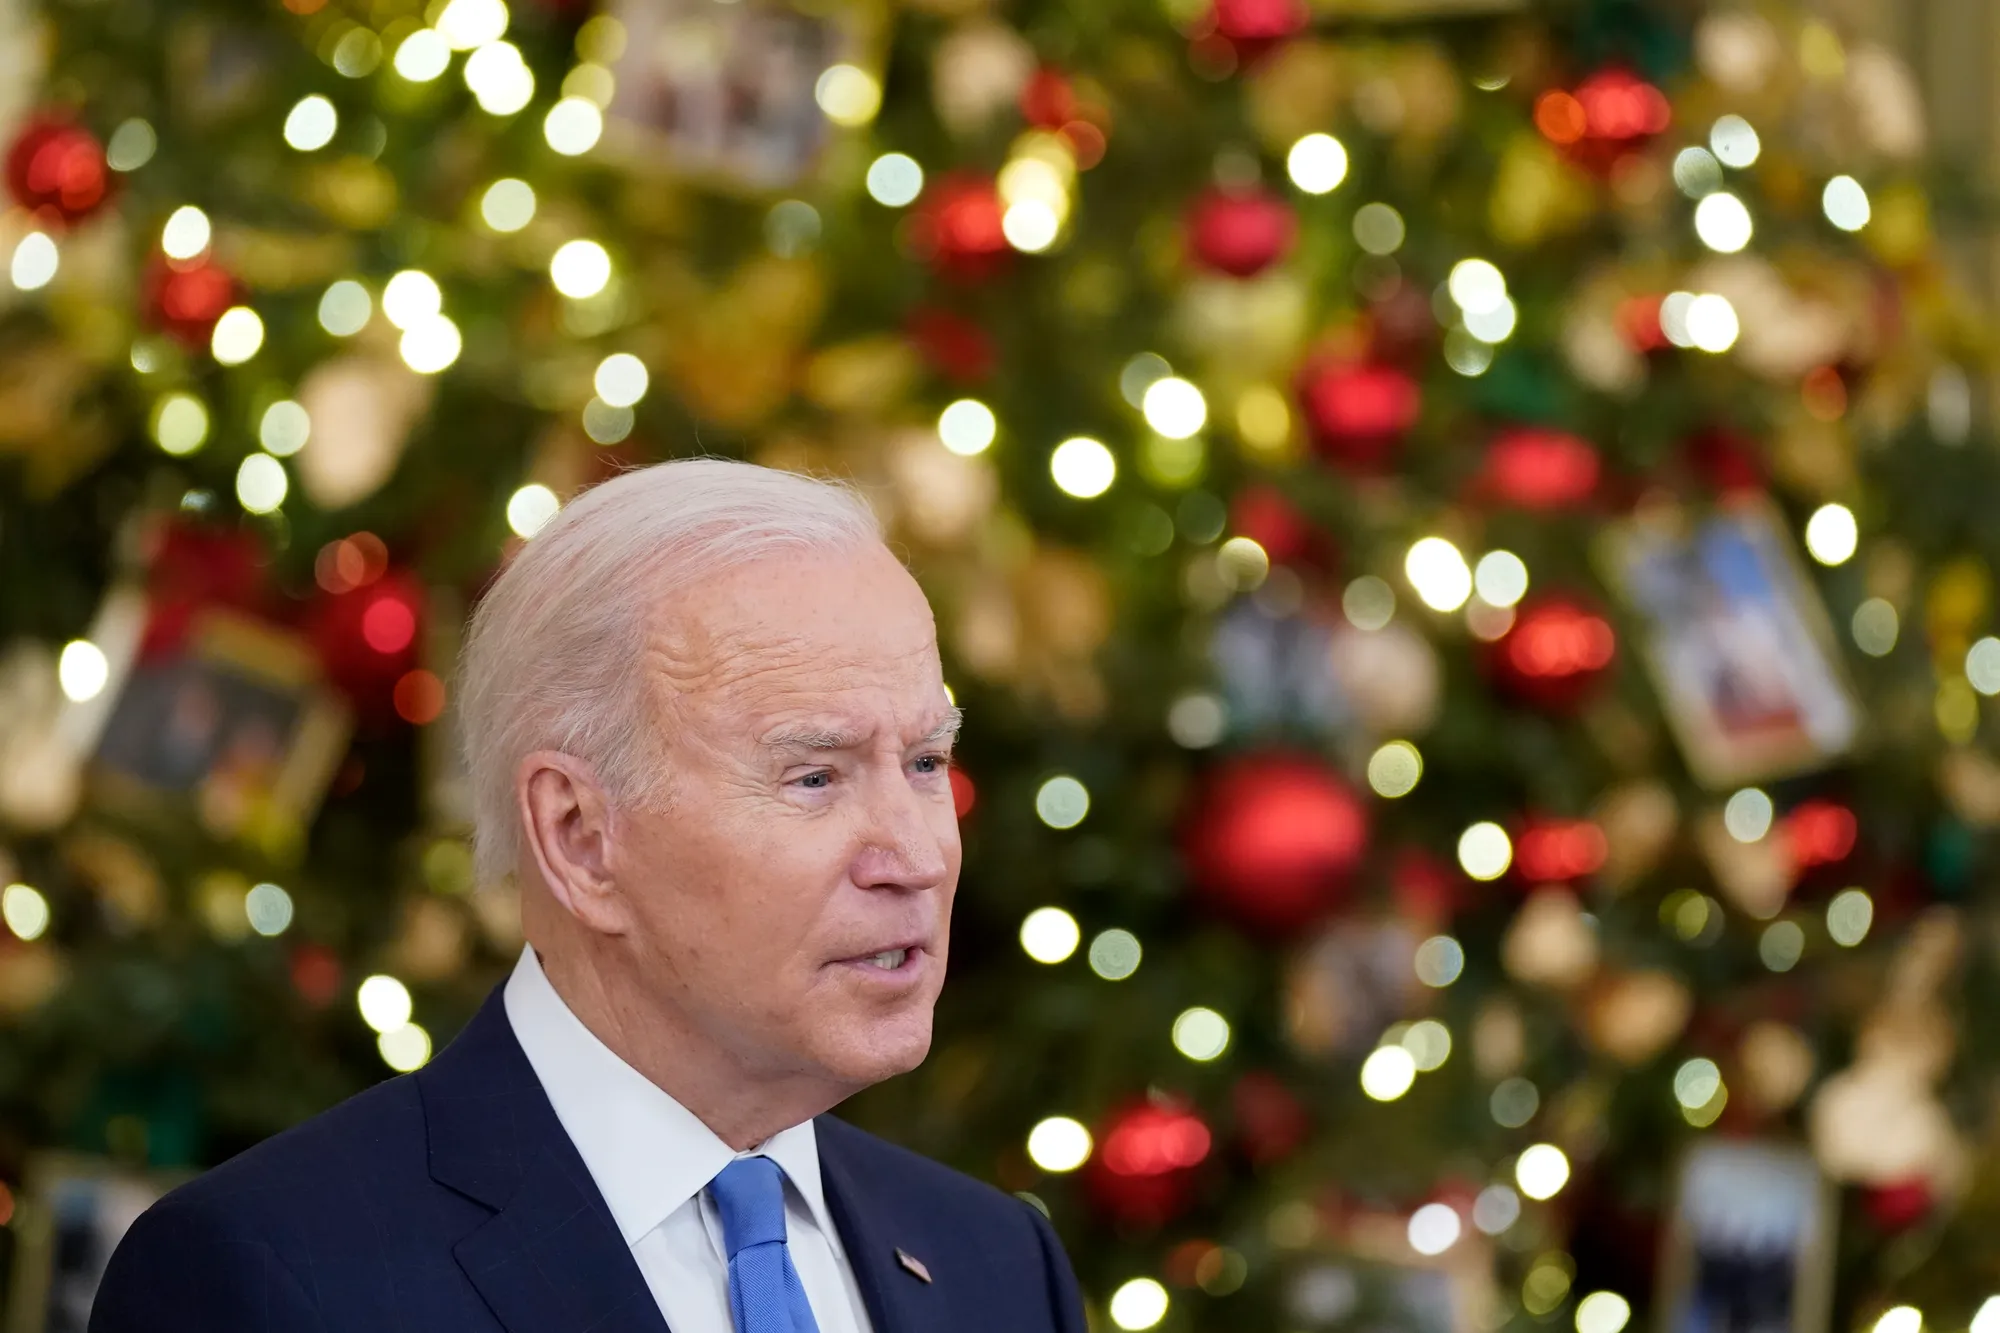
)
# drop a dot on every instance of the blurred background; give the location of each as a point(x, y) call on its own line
point(1464, 532)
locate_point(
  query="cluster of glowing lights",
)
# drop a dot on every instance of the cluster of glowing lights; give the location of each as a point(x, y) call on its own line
point(508, 205)
point(1201, 1034)
point(1174, 407)
point(1703, 320)
point(573, 126)
point(1832, 534)
point(499, 78)
point(1699, 1089)
point(530, 508)
point(1438, 572)
point(1062, 802)
point(1139, 1304)
point(1059, 1144)
point(1480, 291)
point(386, 1007)
point(1541, 1171)
point(580, 269)
point(1083, 467)
point(1034, 189)
point(82, 670)
point(311, 123)
point(25, 911)
point(968, 427)
point(848, 94)
point(1485, 851)
point(895, 180)
point(1317, 164)
point(261, 484)
point(34, 263)
point(470, 24)
point(1050, 935)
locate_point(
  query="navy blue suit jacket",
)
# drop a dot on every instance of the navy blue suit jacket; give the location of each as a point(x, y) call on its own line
point(451, 1201)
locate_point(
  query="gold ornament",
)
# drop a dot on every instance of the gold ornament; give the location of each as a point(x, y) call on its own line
point(1549, 943)
point(1632, 1017)
point(977, 72)
point(363, 407)
point(1776, 1063)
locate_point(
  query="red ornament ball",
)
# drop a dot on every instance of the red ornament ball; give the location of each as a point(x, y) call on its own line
point(185, 299)
point(1540, 469)
point(1273, 840)
point(1552, 851)
point(1143, 1170)
point(1048, 100)
point(956, 229)
point(57, 169)
point(1556, 653)
point(1260, 22)
point(1358, 412)
point(1240, 232)
point(1611, 113)
point(366, 640)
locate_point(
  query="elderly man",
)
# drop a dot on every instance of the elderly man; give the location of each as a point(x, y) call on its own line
point(710, 739)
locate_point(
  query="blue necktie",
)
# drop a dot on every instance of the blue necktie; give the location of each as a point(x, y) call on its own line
point(765, 1294)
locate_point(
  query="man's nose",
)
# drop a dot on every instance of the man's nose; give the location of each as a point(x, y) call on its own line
point(900, 847)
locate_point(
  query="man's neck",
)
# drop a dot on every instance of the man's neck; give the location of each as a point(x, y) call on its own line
point(739, 1106)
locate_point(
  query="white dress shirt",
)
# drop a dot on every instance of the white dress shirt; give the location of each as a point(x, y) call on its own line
point(652, 1160)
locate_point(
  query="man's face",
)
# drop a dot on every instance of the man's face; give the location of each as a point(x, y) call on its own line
point(792, 893)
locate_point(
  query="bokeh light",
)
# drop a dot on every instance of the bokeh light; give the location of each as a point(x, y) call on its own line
point(1500, 578)
point(430, 345)
point(311, 123)
point(268, 908)
point(1059, 1144)
point(848, 95)
point(1393, 770)
point(284, 428)
point(1201, 1034)
point(1115, 954)
point(384, 1002)
point(1317, 163)
point(35, 262)
point(1722, 223)
point(405, 1049)
point(25, 911)
point(1748, 814)
point(530, 508)
point(82, 670)
point(1603, 1312)
point(1062, 802)
point(573, 126)
point(186, 233)
point(1142, 1304)
point(1082, 467)
point(967, 427)
point(1174, 407)
point(1050, 935)
point(345, 308)
point(1440, 961)
point(580, 269)
point(1485, 851)
point(508, 205)
point(1845, 203)
point(1734, 142)
point(1541, 1171)
point(422, 56)
point(621, 379)
point(1832, 534)
point(1438, 573)
point(261, 484)
point(1434, 1228)
point(1388, 1073)
point(180, 423)
point(1849, 916)
point(895, 179)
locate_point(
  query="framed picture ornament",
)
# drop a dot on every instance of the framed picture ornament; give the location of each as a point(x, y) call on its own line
point(1736, 640)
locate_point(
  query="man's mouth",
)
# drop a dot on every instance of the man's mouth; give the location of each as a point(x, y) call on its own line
point(889, 959)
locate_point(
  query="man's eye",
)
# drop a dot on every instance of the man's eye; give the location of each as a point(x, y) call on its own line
point(932, 763)
point(818, 780)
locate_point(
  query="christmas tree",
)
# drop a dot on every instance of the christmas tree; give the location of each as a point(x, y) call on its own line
point(1457, 527)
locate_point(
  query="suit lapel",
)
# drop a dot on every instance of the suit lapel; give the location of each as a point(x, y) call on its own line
point(898, 1300)
point(550, 1259)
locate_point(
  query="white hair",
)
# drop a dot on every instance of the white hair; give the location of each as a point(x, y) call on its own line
point(554, 655)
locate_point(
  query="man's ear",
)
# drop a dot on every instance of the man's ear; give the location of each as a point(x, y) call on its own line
point(570, 825)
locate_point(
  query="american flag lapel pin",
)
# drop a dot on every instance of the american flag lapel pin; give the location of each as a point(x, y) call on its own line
point(913, 1265)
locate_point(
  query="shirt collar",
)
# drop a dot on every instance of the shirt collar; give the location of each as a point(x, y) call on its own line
point(647, 1153)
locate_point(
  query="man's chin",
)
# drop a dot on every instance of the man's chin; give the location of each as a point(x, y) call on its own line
point(875, 1050)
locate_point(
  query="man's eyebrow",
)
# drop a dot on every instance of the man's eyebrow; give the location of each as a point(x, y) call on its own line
point(954, 718)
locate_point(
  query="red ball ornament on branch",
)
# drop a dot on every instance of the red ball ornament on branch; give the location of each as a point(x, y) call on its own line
point(1048, 100)
point(1611, 113)
point(1358, 412)
point(57, 169)
point(1273, 840)
point(367, 640)
point(186, 298)
point(1539, 469)
point(1550, 851)
point(1143, 1170)
point(1255, 24)
point(1555, 655)
point(1240, 232)
point(956, 229)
